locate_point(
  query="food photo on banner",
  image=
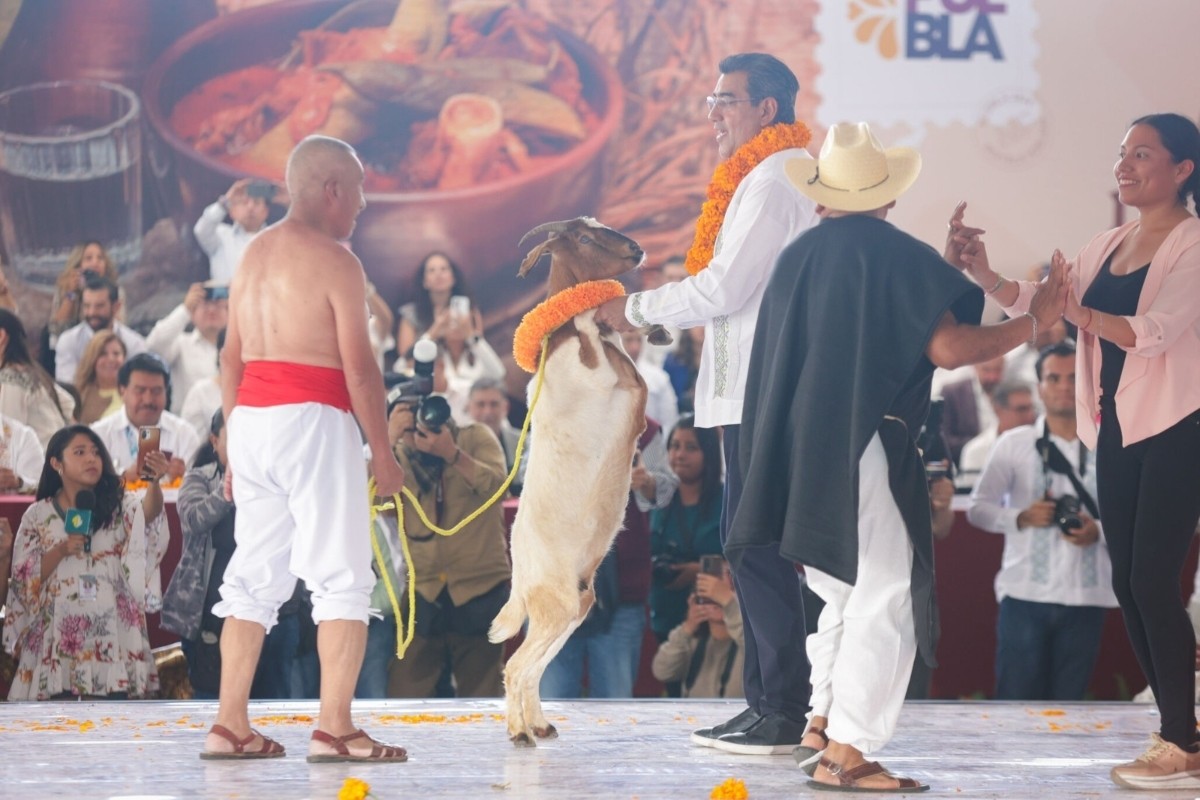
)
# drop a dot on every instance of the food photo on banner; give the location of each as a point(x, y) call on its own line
point(122, 121)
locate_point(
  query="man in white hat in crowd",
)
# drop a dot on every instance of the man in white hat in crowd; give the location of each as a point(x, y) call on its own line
point(855, 318)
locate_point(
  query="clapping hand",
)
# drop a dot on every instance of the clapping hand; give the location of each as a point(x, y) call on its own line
point(1050, 300)
point(959, 238)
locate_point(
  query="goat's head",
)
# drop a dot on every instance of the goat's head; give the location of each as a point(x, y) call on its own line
point(581, 249)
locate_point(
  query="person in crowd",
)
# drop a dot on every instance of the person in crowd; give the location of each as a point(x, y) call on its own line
point(380, 326)
point(1055, 582)
point(968, 405)
point(204, 398)
point(144, 383)
point(488, 404)
point(78, 603)
point(1133, 300)
point(300, 386)
point(206, 519)
point(86, 261)
point(462, 580)
point(96, 377)
point(436, 280)
point(609, 641)
point(101, 308)
point(860, 524)
point(738, 238)
point(465, 357)
point(190, 355)
point(704, 653)
point(688, 527)
point(682, 365)
point(1013, 404)
point(246, 204)
point(21, 458)
point(381, 631)
point(27, 392)
point(661, 404)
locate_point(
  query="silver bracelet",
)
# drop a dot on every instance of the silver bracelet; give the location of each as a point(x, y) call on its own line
point(996, 288)
point(1033, 319)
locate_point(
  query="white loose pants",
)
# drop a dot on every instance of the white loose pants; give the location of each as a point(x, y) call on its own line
point(300, 485)
point(862, 653)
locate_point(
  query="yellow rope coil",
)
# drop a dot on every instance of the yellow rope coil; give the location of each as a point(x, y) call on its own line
point(404, 638)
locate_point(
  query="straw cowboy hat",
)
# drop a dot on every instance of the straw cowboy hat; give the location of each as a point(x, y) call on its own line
point(854, 172)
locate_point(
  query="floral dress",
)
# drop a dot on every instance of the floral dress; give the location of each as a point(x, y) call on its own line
point(84, 630)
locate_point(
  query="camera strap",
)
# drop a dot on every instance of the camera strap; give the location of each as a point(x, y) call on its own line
point(1054, 460)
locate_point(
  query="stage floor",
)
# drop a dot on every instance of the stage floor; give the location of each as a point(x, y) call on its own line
point(606, 749)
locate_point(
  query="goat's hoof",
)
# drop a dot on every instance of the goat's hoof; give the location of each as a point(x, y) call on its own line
point(522, 740)
point(548, 732)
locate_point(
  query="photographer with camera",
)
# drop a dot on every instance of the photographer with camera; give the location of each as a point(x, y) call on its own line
point(247, 204)
point(1055, 582)
point(462, 580)
point(704, 654)
point(191, 355)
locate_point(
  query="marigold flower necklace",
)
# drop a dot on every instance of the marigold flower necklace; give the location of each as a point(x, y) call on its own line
point(726, 178)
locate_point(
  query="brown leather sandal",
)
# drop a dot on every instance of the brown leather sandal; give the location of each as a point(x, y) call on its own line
point(807, 757)
point(381, 753)
point(848, 779)
point(268, 749)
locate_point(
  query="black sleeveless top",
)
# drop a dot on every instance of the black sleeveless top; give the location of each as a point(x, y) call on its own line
point(1113, 294)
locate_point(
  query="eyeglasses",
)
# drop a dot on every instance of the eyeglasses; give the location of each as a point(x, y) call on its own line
point(722, 103)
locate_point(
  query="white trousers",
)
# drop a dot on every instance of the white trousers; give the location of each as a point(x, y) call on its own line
point(300, 485)
point(862, 653)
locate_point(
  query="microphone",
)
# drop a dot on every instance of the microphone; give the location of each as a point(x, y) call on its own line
point(79, 518)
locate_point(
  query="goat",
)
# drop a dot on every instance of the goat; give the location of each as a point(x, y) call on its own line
point(588, 420)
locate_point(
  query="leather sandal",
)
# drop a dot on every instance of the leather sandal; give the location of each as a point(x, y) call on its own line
point(848, 779)
point(269, 748)
point(807, 757)
point(382, 753)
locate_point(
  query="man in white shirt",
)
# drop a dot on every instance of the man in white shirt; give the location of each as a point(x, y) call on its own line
point(246, 204)
point(144, 383)
point(1013, 404)
point(1055, 581)
point(191, 356)
point(755, 92)
point(21, 457)
point(100, 305)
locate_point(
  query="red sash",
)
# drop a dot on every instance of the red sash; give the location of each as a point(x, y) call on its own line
point(281, 383)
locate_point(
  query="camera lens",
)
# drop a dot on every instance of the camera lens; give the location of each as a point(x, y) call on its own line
point(433, 413)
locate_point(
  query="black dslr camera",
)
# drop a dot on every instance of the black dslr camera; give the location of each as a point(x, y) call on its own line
point(432, 411)
point(1066, 514)
point(662, 563)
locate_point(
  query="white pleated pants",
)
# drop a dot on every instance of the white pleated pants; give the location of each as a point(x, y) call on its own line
point(300, 485)
point(862, 653)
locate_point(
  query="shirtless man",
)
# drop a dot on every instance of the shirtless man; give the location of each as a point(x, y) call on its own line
point(297, 370)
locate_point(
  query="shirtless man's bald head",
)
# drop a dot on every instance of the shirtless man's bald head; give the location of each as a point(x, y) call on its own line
point(325, 179)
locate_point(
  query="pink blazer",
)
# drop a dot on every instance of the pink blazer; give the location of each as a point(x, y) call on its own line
point(1160, 384)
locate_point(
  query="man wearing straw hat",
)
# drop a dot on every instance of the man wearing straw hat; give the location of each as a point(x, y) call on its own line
point(855, 318)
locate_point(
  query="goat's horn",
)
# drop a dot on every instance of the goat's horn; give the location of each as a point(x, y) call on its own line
point(552, 227)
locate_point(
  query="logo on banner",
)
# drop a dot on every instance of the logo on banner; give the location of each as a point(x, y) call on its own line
point(929, 29)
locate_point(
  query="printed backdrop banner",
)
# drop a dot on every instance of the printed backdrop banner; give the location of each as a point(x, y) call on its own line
point(927, 62)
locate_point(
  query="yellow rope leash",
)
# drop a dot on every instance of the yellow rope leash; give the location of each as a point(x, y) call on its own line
point(404, 638)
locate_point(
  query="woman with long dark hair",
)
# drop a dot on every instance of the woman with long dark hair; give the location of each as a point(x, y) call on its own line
point(1134, 300)
point(428, 313)
point(27, 392)
point(689, 527)
point(78, 602)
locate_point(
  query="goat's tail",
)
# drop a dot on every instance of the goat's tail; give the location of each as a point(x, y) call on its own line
point(508, 622)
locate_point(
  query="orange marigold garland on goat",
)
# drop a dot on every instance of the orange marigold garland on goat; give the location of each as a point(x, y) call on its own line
point(548, 315)
point(726, 178)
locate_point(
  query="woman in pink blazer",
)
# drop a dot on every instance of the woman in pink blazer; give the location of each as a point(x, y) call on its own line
point(1136, 302)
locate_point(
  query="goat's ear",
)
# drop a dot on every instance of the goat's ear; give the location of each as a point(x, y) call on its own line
point(532, 259)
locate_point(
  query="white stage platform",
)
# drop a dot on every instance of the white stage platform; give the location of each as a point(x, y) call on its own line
point(606, 749)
